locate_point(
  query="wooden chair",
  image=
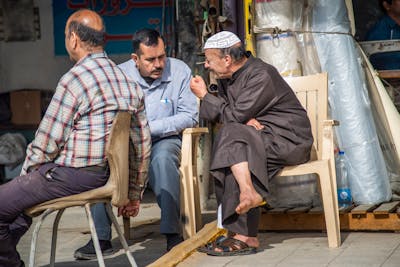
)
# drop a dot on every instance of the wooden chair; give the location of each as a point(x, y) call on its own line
point(115, 191)
point(312, 91)
point(190, 198)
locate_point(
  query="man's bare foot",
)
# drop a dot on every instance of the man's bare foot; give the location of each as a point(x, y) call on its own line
point(250, 241)
point(248, 200)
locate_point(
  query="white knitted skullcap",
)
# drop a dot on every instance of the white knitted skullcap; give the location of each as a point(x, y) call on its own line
point(222, 39)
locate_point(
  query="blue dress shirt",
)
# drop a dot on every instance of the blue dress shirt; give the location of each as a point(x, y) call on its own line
point(385, 29)
point(170, 104)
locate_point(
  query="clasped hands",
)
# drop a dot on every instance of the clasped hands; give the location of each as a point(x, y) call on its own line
point(129, 210)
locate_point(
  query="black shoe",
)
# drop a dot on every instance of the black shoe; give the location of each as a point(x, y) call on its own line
point(173, 240)
point(87, 252)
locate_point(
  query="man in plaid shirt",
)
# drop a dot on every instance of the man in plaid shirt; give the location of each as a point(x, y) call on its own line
point(67, 155)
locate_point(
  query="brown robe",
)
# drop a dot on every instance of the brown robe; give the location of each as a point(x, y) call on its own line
point(257, 91)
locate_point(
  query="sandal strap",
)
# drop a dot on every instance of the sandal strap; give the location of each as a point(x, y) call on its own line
point(216, 242)
point(231, 244)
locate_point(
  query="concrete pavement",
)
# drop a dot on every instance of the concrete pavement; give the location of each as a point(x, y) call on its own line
point(147, 244)
point(359, 249)
point(300, 249)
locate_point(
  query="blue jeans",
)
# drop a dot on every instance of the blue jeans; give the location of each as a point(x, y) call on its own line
point(28, 190)
point(164, 179)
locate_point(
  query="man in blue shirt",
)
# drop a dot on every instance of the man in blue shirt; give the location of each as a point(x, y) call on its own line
point(170, 108)
point(387, 28)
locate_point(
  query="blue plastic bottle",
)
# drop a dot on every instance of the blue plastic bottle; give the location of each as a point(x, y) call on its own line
point(343, 186)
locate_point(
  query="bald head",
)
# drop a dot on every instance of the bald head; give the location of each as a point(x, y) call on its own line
point(88, 26)
point(88, 18)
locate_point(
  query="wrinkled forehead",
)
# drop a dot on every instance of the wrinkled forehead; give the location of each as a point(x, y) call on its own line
point(212, 53)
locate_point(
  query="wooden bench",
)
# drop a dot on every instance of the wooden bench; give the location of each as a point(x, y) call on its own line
point(382, 217)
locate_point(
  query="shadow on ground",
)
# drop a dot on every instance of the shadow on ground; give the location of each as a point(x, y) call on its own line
point(147, 246)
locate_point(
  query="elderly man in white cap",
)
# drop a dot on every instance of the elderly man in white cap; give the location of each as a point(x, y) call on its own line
point(264, 127)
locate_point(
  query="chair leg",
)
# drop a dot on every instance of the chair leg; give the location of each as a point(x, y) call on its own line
point(54, 237)
point(188, 208)
point(196, 190)
point(331, 210)
point(94, 236)
point(120, 235)
point(35, 236)
point(127, 227)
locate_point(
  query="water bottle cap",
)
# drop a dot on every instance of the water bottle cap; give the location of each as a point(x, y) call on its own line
point(341, 152)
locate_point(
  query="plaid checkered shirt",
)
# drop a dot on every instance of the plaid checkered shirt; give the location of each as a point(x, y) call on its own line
point(76, 126)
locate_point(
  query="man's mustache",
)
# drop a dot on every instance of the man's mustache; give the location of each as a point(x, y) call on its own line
point(157, 69)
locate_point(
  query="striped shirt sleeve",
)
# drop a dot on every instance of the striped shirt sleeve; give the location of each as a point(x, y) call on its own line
point(139, 150)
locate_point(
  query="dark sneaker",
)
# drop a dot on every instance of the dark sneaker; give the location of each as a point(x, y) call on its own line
point(87, 252)
point(173, 240)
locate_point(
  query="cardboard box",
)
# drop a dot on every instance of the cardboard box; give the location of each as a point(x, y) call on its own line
point(25, 107)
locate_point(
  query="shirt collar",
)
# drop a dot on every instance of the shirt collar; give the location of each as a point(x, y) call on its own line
point(92, 55)
point(237, 73)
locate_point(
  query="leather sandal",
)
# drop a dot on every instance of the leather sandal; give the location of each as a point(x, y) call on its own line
point(230, 246)
point(210, 245)
point(215, 242)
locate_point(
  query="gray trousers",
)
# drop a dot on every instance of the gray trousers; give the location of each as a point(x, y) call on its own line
point(26, 191)
point(164, 180)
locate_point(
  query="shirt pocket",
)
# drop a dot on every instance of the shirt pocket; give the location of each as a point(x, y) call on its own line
point(157, 108)
point(165, 107)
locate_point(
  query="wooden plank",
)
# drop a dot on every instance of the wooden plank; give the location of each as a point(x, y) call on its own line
point(289, 222)
point(363, 209)
point(386, 208)
point(178, 253)
point(348, 222)
point(298, 222)
point(345, 209)
point(386, 217)
point(277, 210)
point(316, 210)
point(298, 210)
point(372, 222)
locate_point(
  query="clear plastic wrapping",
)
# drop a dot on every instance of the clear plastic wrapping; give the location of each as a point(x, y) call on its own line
point(372, 168)
point(279, 49)
point(349, 103)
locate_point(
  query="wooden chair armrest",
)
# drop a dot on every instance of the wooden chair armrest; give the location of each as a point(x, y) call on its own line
point(327, 139)
point(195, 130)
point(331, 123)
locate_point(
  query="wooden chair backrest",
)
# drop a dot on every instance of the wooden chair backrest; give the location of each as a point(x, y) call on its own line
point(312, 91)
point(118, 158)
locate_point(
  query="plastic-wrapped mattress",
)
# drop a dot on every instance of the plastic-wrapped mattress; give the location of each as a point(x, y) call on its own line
point(349, 103)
